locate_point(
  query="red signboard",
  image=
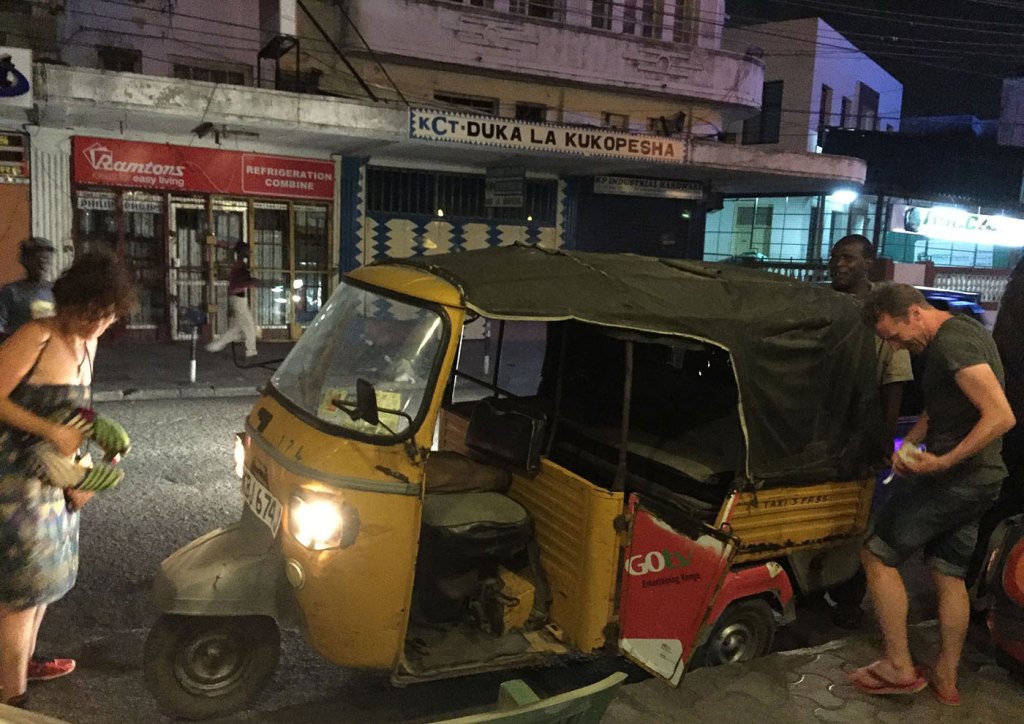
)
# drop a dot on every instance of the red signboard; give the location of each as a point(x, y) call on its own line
point(163, 167)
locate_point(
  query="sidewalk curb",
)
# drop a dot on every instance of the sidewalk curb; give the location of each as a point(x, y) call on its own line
point(176, 393)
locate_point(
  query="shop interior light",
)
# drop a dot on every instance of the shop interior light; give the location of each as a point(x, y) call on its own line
point(843, 197)
point(297, 284)
point(440, 212)
point(296, 298)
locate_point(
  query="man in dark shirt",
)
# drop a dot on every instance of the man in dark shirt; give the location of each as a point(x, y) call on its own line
point(32, 297)
point(951, 483)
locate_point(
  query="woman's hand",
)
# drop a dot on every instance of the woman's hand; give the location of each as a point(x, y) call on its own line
point(66, 439)
point(75, 499)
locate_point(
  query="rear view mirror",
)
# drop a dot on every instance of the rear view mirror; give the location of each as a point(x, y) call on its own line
point(366, 401)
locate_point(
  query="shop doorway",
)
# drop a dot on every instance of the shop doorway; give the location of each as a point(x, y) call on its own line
point(131, 226)
point(290, 256)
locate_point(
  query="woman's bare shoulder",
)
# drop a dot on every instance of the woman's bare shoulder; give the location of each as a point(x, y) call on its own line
point(38, 331)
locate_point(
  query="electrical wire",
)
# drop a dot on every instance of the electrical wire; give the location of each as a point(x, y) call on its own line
point(824, 52)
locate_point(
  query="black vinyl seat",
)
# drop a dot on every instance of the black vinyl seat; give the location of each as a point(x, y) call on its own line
point(475, 525)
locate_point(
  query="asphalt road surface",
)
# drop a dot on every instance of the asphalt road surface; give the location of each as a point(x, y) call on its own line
point(180, 484)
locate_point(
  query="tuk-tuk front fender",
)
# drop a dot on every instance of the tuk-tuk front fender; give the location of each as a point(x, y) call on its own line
point(766, 580)
point(233, 571)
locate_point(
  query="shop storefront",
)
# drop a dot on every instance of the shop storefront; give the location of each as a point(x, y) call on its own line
point(952, 236)
point(15, 202)
point(169, 211)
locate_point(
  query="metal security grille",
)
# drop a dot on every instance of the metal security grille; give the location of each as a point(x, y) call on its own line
point(402, 191)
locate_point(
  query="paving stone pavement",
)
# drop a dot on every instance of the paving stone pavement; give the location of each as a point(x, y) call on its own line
point(810, 686)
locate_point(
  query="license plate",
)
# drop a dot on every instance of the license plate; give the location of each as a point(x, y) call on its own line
point(261, 502)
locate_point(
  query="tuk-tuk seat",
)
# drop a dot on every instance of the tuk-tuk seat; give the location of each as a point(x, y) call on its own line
point(448, 471)
point(701, 474)
point(475, 525)
point(508, 431)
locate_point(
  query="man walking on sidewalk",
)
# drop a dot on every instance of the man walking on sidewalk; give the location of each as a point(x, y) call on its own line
point(240, 280)
point(32, 297)
point(951, 483)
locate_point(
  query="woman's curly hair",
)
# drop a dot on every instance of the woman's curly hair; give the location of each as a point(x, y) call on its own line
point(96, 284)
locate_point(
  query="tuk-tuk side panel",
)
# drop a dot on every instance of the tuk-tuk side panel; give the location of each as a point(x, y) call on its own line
point(574, 523)
point(774, 522)
point(669, 581)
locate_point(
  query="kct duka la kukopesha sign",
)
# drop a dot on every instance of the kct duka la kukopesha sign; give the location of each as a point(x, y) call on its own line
point(454, 127)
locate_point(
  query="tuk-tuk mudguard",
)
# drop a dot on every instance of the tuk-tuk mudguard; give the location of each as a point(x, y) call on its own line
point(767, 579)
point(232, 571)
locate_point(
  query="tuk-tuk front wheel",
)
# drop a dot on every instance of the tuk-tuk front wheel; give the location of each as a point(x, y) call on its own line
point(199, 667)
point(743, 632)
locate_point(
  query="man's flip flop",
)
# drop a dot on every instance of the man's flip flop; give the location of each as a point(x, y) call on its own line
point(880, 685)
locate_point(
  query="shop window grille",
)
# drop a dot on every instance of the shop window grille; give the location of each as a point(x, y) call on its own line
point(404, 191)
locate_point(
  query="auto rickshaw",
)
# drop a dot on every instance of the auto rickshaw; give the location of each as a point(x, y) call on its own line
point(642, 457)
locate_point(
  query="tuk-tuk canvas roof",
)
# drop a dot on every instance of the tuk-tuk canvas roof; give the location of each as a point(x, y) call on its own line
point(804, 362)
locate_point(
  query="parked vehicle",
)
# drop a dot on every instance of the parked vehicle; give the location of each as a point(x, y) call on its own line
point(657, 454)
point(1004, 591)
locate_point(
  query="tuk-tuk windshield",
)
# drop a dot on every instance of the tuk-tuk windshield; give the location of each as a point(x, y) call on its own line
point(361, 334)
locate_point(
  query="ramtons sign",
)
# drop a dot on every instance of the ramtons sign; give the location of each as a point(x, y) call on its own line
point(436, 125)
point(102, 158)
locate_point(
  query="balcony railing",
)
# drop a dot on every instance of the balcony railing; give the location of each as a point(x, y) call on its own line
point(989, 283)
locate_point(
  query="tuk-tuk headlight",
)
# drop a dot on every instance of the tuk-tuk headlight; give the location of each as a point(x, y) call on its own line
point(320, 523)
point(240, 454)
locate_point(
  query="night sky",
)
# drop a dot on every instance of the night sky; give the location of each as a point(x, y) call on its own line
point(950, 55)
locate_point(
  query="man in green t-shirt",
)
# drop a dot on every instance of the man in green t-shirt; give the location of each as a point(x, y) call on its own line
point(950, 485)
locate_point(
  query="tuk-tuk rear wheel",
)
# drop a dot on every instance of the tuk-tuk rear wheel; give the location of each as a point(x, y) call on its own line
point(199, 667)
point(743, 632)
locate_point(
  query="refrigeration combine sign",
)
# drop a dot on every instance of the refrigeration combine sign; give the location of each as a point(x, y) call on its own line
point(428, 124)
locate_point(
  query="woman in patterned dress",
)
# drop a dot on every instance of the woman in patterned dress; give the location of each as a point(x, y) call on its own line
point(46, 367)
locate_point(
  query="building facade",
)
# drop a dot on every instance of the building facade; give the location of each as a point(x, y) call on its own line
point(330, 135)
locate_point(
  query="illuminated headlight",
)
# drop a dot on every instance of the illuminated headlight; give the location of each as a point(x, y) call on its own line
point(320, 523)
point(239, 454)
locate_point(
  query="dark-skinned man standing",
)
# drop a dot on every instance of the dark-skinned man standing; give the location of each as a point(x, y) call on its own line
point(849, 264)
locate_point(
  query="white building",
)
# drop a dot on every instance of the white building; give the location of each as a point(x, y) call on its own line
point(814, 78)
point(439, 125)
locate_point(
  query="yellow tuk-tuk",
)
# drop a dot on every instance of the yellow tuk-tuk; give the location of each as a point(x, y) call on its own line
point(488, 459)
